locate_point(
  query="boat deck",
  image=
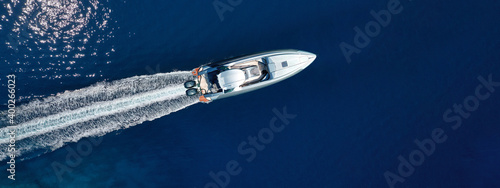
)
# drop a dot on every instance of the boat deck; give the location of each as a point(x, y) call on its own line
point(244, 64)
point(254, 70)
point(253, 75)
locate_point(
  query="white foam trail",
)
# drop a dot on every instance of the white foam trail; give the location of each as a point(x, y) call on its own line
point(95, 111)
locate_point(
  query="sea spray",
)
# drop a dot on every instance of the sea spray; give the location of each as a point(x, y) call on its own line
point(51, 122)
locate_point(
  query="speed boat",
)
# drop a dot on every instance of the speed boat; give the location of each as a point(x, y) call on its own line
point(244, 74)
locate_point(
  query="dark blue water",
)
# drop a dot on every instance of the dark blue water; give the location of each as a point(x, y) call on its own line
point(352, 120)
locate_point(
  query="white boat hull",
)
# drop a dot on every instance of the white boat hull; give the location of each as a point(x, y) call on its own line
point(241, 75)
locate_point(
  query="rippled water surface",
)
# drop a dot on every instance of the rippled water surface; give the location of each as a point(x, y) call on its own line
point(100, 99)
point(56, 40)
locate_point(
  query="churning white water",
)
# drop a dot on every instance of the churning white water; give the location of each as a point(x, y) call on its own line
point(95, 111)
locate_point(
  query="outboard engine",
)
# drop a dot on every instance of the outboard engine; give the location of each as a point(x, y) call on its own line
point(191, 92)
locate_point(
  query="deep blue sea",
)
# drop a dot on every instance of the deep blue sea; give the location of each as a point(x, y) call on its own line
point(417, 104)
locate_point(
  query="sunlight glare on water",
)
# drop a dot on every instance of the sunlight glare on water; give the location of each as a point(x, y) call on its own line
point(54, 39)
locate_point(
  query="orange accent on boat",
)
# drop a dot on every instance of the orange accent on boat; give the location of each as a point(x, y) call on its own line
point(195, 71)
point(203, 99)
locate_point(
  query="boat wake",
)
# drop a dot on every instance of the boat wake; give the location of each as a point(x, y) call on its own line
point(49, 123)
